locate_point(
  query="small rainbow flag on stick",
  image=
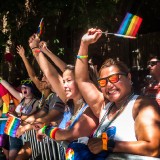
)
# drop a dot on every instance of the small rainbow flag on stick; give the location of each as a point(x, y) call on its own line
point(12, 125)
point(40, 28)
point(129, 26)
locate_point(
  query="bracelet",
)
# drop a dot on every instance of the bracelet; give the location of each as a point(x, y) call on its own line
point(43, 129)
point(0, 80)
point(104, 141)
point(82, 57)
point(34, 48)
point(110, 145)
point(37, 51)
point(51, 131)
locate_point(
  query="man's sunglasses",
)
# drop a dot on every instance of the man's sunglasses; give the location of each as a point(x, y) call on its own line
point(152, 63)
point(26, 81)
point(114, 78)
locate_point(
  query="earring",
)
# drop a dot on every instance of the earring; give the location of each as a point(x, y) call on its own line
point(131, 83)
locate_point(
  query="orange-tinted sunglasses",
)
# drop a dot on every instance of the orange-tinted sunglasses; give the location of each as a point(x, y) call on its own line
point(114, 78)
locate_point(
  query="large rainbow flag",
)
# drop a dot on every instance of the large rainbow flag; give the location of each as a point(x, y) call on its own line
point(129, 26)
point(6, 97)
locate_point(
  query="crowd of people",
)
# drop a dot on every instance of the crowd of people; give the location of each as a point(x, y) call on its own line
point(91, 114)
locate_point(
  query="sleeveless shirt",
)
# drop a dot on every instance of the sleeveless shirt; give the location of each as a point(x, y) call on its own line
point(122, 128)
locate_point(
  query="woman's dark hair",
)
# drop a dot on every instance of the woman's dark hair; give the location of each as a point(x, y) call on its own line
point(92, 73)
point(119, 64)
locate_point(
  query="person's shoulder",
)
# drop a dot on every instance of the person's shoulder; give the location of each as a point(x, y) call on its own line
point(145, 104)
point(143, 101)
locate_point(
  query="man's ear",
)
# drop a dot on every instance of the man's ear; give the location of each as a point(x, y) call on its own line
point(129, 76)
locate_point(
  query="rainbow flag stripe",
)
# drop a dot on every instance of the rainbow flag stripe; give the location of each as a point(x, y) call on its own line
point(130, 25)
point(40, 28)
point(12, 125)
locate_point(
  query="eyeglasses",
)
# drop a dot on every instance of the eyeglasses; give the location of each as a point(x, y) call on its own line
point(152, 63)
point(114, 78)
point(28, 81)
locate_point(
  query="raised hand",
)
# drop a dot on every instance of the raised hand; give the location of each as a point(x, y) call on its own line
point(43, 46)
point(20, 50)
point(91, 36)
point(34, 41)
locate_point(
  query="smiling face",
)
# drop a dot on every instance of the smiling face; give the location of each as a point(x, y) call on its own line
point(69, 84)
point(116, 91)
point(26, 91)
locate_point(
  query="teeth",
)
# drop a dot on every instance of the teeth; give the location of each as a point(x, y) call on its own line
point(112, 92)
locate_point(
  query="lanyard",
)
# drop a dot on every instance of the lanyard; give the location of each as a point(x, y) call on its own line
point(115, 116)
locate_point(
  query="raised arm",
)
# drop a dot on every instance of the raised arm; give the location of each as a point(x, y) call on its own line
point(30, 70)
point(90, 93)
point(57, 61)
point(11, 89)
point(54, 78)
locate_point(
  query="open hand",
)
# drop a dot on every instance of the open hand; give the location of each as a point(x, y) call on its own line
point(20, 50)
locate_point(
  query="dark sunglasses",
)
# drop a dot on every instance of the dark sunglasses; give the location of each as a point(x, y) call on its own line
point(152, 63)
point(114, 78)
point(26, 81)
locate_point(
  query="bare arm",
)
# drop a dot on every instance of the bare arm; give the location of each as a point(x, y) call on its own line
point(90, 93)
point(54, 78)
point(30, 70)
point(13, 91)
point(57, 61)
point(79, 129)
point(31, 119)
point(53, 115)
point(147, 130)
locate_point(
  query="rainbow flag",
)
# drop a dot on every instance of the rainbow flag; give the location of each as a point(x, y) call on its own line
point(12, 125)
point(6, 97)
point(129, 26)
point(40, 28)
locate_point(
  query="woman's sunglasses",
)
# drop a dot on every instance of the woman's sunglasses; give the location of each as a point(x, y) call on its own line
point(114, 78)
point(152, 63)
point(26, 81)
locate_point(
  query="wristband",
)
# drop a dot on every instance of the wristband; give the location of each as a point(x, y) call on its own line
point(50, 131)
point(82, 57)
point(37, 51)
point(0, 80)
point(43, 129)
point(104, 141)
point(110, 145)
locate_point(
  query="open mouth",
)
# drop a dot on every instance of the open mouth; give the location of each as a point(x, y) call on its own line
point(25, 92)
